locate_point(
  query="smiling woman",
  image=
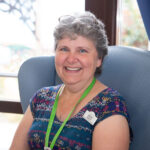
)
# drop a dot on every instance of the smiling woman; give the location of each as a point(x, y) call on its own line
point(82, 110)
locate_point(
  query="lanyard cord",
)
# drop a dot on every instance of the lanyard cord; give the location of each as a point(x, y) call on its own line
point(65, 121)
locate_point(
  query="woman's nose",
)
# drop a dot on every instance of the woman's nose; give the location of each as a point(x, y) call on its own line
point(72, 58)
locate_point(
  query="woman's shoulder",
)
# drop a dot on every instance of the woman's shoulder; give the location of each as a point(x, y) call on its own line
point(48, 89)
point(107, 93)
point(110, 94)
point(111, 102)
point(44, 94)
point(43, 99)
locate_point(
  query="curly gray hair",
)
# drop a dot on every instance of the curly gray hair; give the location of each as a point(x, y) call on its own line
point(87, 25)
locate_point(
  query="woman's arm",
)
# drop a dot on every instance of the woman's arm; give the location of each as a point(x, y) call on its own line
point(111, 134)
point(20, 139)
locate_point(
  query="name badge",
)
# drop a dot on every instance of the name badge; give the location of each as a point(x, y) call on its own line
point(90, 117)
point(47, 148)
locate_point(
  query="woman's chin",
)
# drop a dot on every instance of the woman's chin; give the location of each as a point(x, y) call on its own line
point(71, 81)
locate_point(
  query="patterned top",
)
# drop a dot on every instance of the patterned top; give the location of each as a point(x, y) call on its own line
point(77, 133)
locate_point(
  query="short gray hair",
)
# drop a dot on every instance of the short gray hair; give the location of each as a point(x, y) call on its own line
point(83, 24)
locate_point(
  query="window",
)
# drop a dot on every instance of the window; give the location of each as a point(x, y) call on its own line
point(131, 30)
point(27, 30)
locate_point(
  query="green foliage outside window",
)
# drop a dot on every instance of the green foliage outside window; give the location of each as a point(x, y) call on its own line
point(133, 31)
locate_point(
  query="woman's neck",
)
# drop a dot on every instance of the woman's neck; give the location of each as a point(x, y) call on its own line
point(76, 89)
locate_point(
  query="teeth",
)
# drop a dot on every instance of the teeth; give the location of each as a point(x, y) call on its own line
point(72, 69)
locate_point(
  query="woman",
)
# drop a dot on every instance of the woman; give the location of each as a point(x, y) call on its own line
point(82, 113)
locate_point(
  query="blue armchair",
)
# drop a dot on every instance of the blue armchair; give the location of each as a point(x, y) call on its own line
point(125, 69)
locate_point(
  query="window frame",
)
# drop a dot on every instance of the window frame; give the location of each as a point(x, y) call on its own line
point(7, 106)
point(107, 12)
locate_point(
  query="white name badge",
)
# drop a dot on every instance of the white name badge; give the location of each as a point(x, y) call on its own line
point(90, 117)
point(47, 148)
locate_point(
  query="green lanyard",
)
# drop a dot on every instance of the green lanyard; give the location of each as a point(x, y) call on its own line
point(65, 121)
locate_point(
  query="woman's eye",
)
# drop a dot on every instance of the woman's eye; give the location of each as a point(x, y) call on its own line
point(83, 51)
point(63, 49)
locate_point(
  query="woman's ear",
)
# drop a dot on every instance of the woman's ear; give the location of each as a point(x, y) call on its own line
point(99, 62)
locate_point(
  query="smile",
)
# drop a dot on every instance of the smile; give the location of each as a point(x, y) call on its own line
point(72, 69)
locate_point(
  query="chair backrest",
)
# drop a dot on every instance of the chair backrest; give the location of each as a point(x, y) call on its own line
point(125, 69)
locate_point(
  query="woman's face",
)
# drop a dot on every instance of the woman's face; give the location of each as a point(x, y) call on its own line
point(76, 60)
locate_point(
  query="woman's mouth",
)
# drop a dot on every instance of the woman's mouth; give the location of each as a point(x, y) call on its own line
point(73, 68)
